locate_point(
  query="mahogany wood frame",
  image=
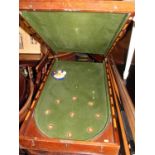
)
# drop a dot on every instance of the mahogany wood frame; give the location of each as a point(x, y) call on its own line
point(108, 6)
point(32, 140)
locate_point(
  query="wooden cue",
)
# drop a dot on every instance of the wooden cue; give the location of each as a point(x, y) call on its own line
point(125, 142)
point(59, 55)
point(126, 100)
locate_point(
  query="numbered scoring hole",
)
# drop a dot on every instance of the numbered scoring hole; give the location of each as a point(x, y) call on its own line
point(57, 101)
point(47, 112)
point(69, 134)
point(90, 103)
point(74, 98)
point(72, 114)
point(50, 126)
point(98, 115)
point(90, 130)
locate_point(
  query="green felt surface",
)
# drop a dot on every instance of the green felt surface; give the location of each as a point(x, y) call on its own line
point(77, 31)
point(84, 81)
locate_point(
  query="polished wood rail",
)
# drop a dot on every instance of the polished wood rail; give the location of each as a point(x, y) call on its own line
point(122, 128)
point(126, 100)
point(78, 5)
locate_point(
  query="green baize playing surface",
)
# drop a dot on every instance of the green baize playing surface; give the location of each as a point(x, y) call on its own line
point(82, 32)
point(77, 107)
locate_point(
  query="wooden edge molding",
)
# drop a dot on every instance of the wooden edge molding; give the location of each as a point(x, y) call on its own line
point(121, 33)
point(78, 5)
point(123, 133)
point(112, 108)
point(68, 146)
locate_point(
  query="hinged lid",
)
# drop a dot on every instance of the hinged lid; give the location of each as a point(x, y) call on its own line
point(76, 31)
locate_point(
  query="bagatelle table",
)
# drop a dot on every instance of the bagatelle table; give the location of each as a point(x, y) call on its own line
point(73, 114)
point(76, 114)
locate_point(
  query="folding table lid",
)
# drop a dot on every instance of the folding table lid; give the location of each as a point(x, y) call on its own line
point(77, 31)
